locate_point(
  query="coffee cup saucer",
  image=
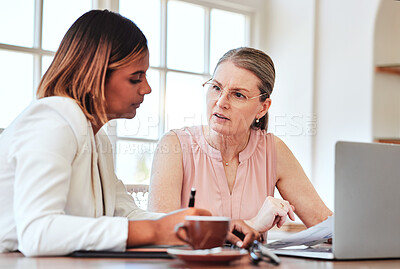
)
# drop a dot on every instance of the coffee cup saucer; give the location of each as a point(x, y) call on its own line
point(219, 254)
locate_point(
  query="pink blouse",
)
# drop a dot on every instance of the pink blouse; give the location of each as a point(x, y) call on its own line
point(203, 169)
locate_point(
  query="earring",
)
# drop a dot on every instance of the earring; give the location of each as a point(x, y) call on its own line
point(257, 120)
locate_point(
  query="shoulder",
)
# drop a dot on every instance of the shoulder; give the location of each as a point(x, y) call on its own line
point(278, 142)
point(65, 107)
point(192, 131)
point(170, 137)
point(169, 143)
point(53, 116)
point(177, 140)
point(187, 135)
point(69, 111)
point(263, 138)
point(51, 125)
point(284, 154)
point(58, 102)
point(281, 148)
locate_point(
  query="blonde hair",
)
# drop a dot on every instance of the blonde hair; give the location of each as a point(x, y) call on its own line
point(98, 42)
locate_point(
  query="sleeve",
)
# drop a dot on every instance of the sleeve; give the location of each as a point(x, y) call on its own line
point(42, 152)
point(126, 206)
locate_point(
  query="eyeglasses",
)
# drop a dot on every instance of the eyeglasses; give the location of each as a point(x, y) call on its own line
point(214, 92)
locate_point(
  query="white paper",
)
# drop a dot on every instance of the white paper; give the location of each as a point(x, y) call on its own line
point(312, 236)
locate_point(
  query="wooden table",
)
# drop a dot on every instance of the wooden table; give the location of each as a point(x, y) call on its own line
point(18, 261)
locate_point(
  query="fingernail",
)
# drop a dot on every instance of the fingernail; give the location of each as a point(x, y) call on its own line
point(239, 244)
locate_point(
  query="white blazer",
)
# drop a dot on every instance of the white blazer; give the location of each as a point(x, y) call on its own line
point(58, 189)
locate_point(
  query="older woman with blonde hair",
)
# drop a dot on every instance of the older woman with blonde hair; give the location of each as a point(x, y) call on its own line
point(58, 190)
point(233, 162)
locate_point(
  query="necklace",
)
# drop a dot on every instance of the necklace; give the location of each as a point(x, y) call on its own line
point(227, 163)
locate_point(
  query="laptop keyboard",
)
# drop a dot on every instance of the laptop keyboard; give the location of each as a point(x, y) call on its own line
point(319, 249)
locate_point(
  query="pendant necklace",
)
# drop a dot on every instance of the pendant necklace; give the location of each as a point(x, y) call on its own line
point(227, 163)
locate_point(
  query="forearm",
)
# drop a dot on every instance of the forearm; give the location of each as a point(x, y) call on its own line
point(160, 231)
point(309, 206)
point(142, 232)
point(295, 187)
point(254, 225)
point(61, 234)
point(314, 215)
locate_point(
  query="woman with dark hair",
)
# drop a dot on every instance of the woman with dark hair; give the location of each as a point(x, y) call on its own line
point(233, 162)
point(58, 190)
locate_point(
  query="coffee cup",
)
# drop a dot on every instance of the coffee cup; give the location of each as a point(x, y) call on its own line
point(203, 232)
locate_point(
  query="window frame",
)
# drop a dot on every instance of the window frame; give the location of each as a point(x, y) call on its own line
point(163, 68)
point(36, 50)
point(231, 6)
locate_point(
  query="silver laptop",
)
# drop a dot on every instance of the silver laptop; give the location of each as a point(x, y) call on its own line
point(367, 204)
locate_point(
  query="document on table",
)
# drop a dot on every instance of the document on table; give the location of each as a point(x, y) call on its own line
point(312, 236)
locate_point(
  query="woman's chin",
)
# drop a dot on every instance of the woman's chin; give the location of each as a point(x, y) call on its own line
point(221, 129)
point(127, 116)
point(131, 116)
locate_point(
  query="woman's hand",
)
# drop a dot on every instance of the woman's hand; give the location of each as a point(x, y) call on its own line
point(249, 234)
point(160, 231)
point(274, 211)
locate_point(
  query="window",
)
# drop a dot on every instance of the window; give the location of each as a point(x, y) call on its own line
point(185, 40)
point(25, 56)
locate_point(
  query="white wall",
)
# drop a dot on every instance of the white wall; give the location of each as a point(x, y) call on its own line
point(324, 54)
point(343, 82)
point(387, 34)
point(288, 28)
point(323, 51)
point(386, 98)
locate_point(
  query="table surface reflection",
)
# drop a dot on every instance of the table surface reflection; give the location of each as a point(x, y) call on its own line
point(17, 260)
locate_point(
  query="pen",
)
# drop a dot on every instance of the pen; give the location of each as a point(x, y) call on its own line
point(191, 199)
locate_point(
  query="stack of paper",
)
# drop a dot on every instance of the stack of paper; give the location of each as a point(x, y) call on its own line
point(312, 236)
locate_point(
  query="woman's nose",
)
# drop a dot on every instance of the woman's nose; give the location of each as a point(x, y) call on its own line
point(223, 99)
point(146, 89)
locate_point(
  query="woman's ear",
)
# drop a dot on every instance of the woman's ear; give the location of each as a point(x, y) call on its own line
point(264, 109)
